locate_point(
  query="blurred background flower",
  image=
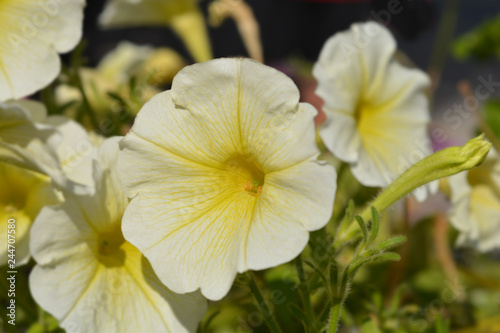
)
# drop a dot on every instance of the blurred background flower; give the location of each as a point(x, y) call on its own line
point(31, 36)
point(380, 129)
point(89, 277)
point(475, 211)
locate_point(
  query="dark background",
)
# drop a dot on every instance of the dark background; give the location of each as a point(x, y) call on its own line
point(300, 28)
point(287, 27)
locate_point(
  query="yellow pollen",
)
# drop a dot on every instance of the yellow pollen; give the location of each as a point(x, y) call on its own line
point(10, 209)
point(245, 173)
point(253, 188)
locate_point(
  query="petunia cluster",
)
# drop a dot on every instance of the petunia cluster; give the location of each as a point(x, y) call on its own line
point(218, 175)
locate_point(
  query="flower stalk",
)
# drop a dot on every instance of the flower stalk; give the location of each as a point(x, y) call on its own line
point(443, 163)
point(261, 304)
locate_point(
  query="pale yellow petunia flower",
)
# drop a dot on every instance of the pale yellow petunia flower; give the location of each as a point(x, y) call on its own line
point(74, 150)
point(377, 111)
point(32, 33)
point(475, 198)
point(223, 174)
point(156, 66)
point(53, 145)
point(183, 16)
point(25, 162)
point(27, 143)
point(23, 193)
point(149, 67)
point(90, 278)
point(38, 156)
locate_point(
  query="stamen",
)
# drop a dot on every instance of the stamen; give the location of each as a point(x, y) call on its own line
point(253, 188)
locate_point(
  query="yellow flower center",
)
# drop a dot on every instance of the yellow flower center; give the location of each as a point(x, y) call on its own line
point(109, 247)
point(253, 188)
point(482, 175)
point(364, 116)
point(10, 208)
point(246, 174)
point(14, 192)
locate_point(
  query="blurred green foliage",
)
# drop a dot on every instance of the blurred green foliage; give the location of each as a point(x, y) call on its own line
point(482, 43)
point(492, 116)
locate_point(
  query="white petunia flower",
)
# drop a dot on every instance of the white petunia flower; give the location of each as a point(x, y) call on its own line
point(377, 111)
point(223, 174)
point(37, 156)
point(28, 143)
point(75, 150)
point(120, 64)
point(53, 145)
point(23, 193)
point(475, 198)
point(148, 67)
point(32, 33)
point(90, 278)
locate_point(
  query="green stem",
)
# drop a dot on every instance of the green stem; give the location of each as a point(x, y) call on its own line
point(41, 318)
point(304, 290)
point(441, 47)
point(443, 163)
point(86, 104)
point(325, 311)
point(262, 305)
point(339, 301)
point(335, 315)
point(484, 127)
point(347, 188)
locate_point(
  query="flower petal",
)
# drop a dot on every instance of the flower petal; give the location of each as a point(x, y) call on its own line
point(90, 278)
point(197, 164)
point(192, 226)
point(24, 193)
point(340, 135)
point(292, 202)
point(475, 210)
point(87, 296)
point(200, 107)
point(485, 210)
point(75, 151)
point(377, 112)
point(32, 33)
point(123, 13)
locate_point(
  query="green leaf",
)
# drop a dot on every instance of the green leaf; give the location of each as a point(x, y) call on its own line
point(299, 314)
point(374, 226)
point(482, 43)
point(492, 116)
point(335, 315)
point(51, 323)
point(377, 258)
point(36, 328)
point(370, 327)
point(396, 299)
point(442, 326)
point(349, 214)
point(209, 320)
point(333, 274)
point(317, 271)
point(362, 226)
point(390, 243)
point(77, 59)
